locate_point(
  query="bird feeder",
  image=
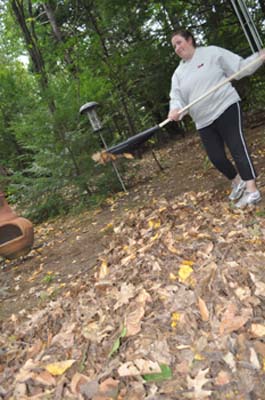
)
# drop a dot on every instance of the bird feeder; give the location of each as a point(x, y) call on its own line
point(90, 110)
point(16, 233)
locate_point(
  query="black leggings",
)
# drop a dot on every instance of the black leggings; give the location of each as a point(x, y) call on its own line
point(227, 129)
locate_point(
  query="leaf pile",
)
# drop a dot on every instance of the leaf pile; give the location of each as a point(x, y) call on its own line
point(175, 310)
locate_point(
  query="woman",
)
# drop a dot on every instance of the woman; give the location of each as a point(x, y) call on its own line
point(217, 117)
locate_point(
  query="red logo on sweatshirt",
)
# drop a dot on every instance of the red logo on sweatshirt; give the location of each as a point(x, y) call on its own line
point(200, 65)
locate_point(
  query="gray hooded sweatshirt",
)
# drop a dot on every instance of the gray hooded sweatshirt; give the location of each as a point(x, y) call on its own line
point(207, 68)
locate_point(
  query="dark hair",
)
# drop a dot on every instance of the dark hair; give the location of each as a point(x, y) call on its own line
point(186, 35)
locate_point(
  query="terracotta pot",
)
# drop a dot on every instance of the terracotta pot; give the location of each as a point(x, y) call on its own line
point(6, 213)
point(16, 237)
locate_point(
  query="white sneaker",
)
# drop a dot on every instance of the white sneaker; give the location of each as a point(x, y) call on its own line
point(248, 198)
point(237, 190)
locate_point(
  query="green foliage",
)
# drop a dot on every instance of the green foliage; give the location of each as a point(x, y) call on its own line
point(166, 373)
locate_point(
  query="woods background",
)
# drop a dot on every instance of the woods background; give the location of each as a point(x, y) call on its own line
point(116, 53)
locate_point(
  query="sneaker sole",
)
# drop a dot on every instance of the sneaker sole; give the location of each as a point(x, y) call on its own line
point(233, 198)
point(253, 203)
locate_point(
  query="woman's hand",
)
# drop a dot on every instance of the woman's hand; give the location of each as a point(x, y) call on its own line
point(262, 54)
point(174, 115)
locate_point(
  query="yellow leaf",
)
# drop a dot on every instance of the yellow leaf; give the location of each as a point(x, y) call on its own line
point(187, 262)
point(107, 227)
point(184, 272)
point(198, 357)
point(154, 224)
point(155, 237)
point(59, 368)
point(103, 272)
point(175, 317)
point(172, 276)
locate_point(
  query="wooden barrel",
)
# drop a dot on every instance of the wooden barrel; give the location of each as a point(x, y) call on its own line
point(16, 237)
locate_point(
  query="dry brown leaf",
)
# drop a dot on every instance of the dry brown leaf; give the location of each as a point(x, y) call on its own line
point(223, 378)
point(230, 322)
point(135, 391)
point(35, 349)
point(197, 384)
point(128, 156)
point(230, 361)
point(170, 243)
point(79, 380)
point(139, 367)
point(103, 270)
point(203, 309)
point(260, 289)
point(45, 378)
point(90, 331)
point(26, 371)
point(65, 338)
point(20, 391)
point(127, 291)
point(257, 330)
point(108, 390)
point(260, 348)
point(254, 359)
point(103, 157)
point(133, 318)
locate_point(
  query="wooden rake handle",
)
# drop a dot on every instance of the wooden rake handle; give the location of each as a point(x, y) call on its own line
point(213, 89)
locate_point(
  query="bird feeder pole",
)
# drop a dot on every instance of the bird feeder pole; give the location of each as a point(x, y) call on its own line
point(90, 110)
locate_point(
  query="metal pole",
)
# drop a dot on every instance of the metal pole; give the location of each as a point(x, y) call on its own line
point(247, 25)
point(251, 24)
point(114, 165)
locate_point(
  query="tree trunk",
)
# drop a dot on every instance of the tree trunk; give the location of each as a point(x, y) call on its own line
point(32, 45)
point(58, 34)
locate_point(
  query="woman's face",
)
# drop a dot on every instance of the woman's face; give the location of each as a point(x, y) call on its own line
point(183, 48)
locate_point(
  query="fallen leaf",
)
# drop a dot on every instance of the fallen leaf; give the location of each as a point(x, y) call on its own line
point(184, 272)
point(164, 374)
point(65, 338)
point(175, 317)
point(139, 367)
point(230, 361)
point(108, 390)
point(45, 378)
point(103, 271)
point(197, 384)
point(230, 322)
point(203, 310)
point(223, 378)
point(59, 368)
point(257, 330)
point(133, 318)
point(127, 291)
point(117, 342)
point(80, 380)
point(254, 359)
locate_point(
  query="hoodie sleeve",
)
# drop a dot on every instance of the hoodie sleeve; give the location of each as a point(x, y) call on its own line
point(231, 63)
point(176, 99)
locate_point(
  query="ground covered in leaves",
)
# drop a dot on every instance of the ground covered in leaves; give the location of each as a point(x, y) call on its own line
point(159, 294)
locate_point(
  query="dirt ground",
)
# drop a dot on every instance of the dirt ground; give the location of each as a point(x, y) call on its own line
point(67, 248)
